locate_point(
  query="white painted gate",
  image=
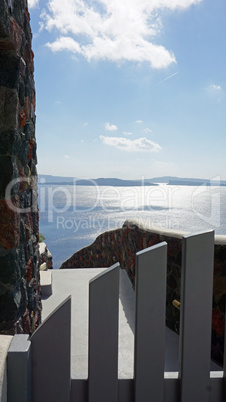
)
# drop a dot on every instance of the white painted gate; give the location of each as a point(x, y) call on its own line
point(50, 361)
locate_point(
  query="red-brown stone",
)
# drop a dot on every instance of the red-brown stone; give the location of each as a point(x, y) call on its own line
point(15, 35)
point(28, 225)
point(23, 181)
point(29, 57)
point(31, 144)
point(31, 64)
point(22, 118)
point(29, 270)
point(33, 100)
point(27, 51)
point(26, 322)
point(14, 40)
point(33, 182)
point(9, 224)
point(27, 14)
point(27, 107)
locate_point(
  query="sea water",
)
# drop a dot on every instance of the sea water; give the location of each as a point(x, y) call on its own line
point(71, 217)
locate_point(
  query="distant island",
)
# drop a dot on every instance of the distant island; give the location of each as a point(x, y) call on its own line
point(57, 180)
point(200, 182)
point(155, 181)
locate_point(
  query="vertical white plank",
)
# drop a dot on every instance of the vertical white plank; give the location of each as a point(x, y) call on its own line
point(19, 369)
point(224, 367)
point(103, 336)
point(150, 323)
point(51, 356)
point(196, 317)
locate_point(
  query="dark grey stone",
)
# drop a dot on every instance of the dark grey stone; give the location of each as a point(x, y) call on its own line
point(35, 221)
point(24, 297)
point(22, 93)
point(4, 19)
point(18, 12)
point(9, 103)
point(31, 296)
point(20, 252)
point(22, 230)
point(27, 28)
point(21, 147)
point(29, 130)
point(33, 168)
point(23, 43)
point(17, 296)
point(25, 199)
point(10, 70)
point(8, 312)
point(7, 139)
point(10, 270)
point(6, 173)
point(28, 83)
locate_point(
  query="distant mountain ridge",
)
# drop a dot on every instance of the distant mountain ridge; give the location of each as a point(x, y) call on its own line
point(47, 179)
point(115, 182)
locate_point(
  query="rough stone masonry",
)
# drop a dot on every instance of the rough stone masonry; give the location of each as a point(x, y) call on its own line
point(20, 301)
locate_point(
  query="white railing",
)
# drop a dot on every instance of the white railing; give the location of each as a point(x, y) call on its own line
point(50, 344)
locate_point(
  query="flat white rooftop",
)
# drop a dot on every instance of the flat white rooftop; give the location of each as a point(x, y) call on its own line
point(75, 282)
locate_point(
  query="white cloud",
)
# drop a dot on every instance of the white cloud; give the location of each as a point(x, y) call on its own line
point(111, 30)
point(215, 88)
point(138, 145)
point(33, 3)
point(65, 43)
point(85, 124)
point(139, 121)
point(66, 156)
point(215, 91)
point(147, 131)
point(110, 127)
point(58, 103)
point(126, 133)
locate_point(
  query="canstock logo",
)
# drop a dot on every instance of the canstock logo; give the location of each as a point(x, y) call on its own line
point(210, 193)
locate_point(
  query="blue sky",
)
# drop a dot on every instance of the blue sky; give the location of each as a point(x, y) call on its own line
point(130, 88)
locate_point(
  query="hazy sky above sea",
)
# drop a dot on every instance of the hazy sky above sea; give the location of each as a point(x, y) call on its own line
point(130, 88)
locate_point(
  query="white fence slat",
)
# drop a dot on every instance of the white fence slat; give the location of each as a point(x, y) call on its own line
point(51, 356)
point(196, 317)
point(151, 265)
point(224, 368)
point(18, 370)
point(103, 336)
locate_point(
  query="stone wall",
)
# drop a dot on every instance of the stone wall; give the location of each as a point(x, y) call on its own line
point(19, 260)
point(121, 245)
